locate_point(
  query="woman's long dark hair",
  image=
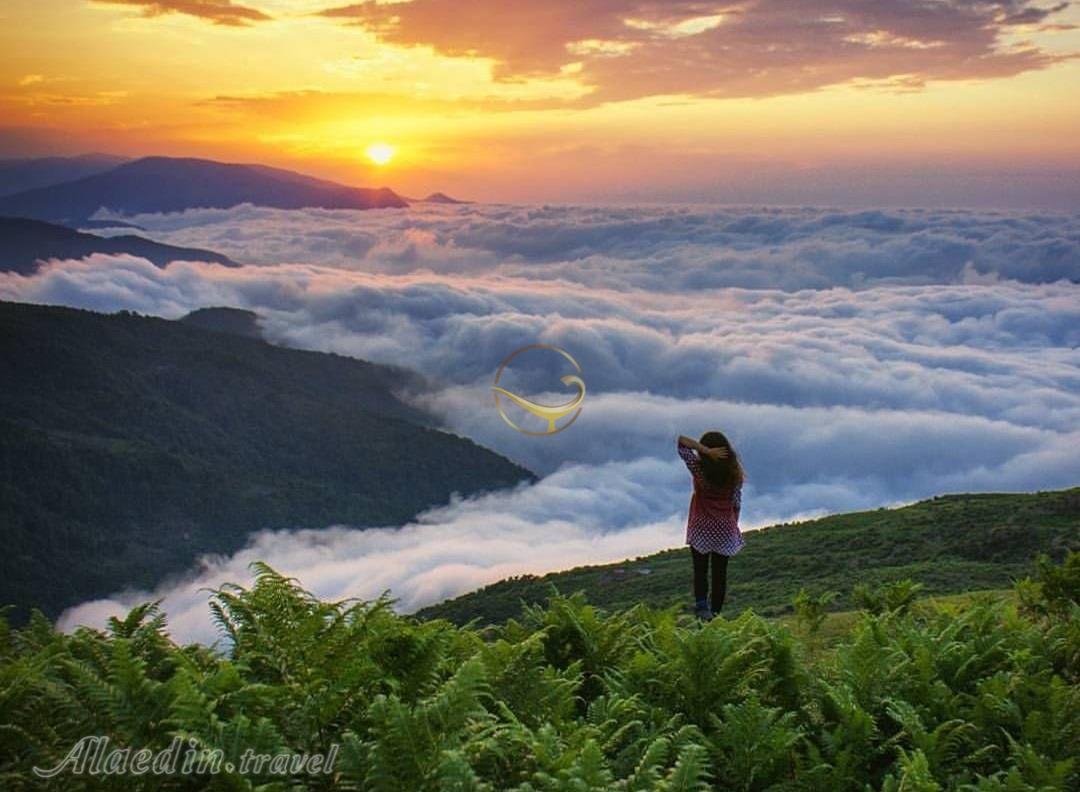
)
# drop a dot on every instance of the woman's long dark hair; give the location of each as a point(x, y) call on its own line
point(726, 473)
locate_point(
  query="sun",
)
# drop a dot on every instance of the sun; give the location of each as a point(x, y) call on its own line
point(380, 153)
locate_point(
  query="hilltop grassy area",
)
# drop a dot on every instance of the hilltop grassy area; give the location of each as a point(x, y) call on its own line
point(949, 544)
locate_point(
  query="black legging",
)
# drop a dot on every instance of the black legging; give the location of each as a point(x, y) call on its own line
point(719, 577)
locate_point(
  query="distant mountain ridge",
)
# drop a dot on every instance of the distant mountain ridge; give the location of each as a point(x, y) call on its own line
point(131, 445)
point(443, 198)
point(168, 184)
point(24, 243)
point(17, 175)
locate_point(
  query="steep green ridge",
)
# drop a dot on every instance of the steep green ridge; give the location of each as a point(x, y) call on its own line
point(131, 445)
point(950, 544)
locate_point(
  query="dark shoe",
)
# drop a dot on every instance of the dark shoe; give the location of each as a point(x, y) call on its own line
point(705, 614)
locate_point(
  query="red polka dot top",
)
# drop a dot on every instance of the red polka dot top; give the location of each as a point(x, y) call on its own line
point(713, 524)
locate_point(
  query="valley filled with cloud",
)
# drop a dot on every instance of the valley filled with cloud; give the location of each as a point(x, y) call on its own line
point(856, 359)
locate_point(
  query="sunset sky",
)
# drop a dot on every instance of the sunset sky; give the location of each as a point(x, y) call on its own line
point(766, 101)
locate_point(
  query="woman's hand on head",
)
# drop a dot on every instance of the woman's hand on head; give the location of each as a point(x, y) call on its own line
point(716, 453)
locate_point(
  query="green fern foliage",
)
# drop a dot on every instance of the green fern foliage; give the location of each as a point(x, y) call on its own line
point(913, 698)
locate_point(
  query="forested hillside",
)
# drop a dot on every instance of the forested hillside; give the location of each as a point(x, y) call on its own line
point(948, 544)
point(130, 445)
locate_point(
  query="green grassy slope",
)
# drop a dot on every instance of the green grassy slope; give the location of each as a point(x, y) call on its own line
point(951, 543)
point(130, 445)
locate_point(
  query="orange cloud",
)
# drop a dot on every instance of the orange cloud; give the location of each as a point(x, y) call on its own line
point(628, 49)
point(220, 12)
point(307, 105)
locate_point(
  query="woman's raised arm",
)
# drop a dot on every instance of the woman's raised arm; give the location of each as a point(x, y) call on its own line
point(712, 453)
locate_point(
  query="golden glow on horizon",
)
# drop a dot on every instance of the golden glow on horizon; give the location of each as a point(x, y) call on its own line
point(77, 77)
point(380, 153)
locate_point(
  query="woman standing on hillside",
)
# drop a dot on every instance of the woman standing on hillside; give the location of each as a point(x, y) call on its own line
point(712, 530)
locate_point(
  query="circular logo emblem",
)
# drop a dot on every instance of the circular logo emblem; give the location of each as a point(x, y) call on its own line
point(546, 412)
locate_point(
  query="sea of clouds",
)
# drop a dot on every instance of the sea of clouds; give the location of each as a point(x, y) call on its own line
point(856, 359)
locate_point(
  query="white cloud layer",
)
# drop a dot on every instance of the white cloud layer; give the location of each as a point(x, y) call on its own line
point(663, 248)
point(856, 359)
